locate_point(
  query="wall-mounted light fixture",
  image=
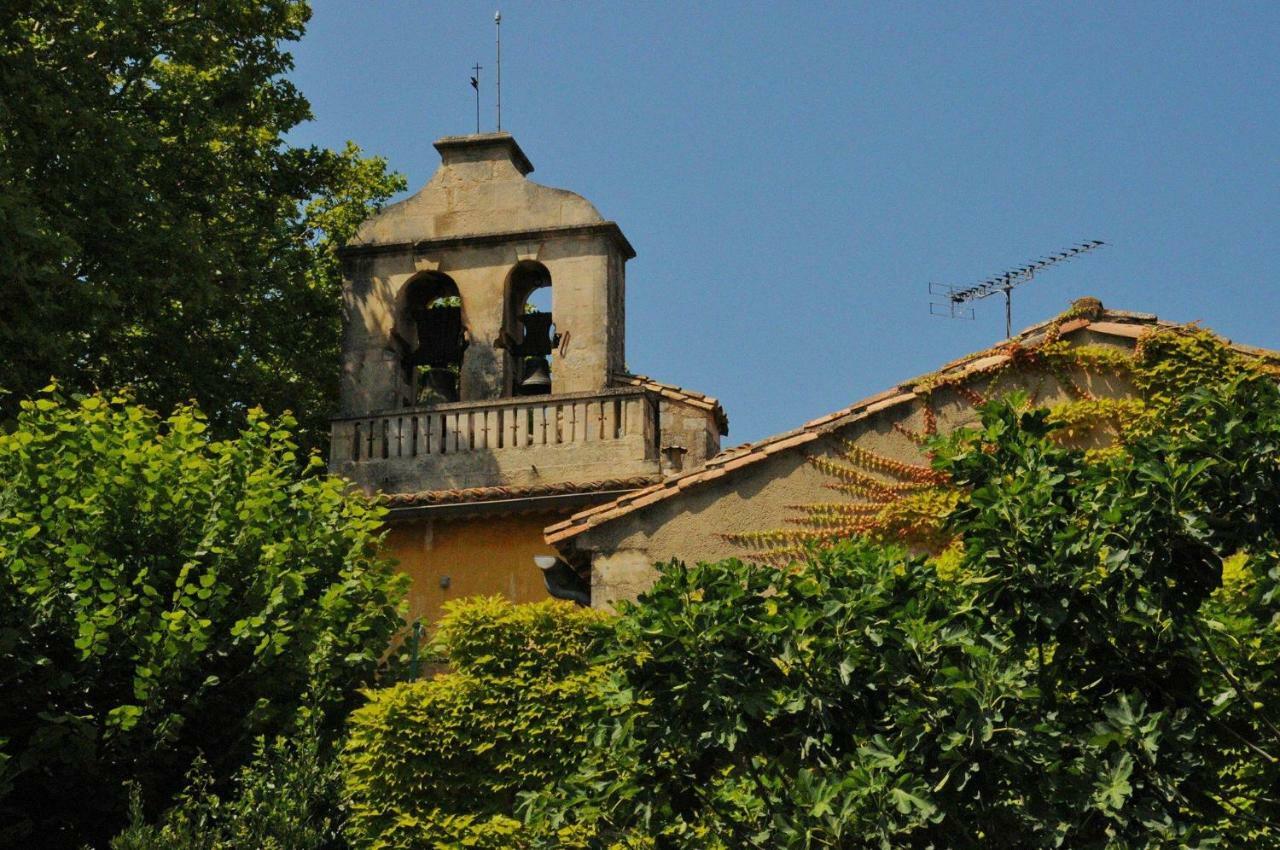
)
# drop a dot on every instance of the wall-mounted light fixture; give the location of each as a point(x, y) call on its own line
point(562, 580)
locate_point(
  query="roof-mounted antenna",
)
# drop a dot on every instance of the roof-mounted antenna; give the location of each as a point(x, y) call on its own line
point(954, 298)
point(497, 25)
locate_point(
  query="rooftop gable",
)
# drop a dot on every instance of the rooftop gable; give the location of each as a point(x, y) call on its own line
point(1085, 315)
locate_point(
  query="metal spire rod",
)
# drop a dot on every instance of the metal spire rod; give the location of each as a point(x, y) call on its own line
point(497, 25)
point(1006, 282)
point(475, 84)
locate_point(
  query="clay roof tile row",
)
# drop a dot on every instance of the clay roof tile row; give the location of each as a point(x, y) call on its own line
point(671, 391)
point(427, 498)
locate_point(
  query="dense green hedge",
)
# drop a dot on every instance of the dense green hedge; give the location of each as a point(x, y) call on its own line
point(444, 762)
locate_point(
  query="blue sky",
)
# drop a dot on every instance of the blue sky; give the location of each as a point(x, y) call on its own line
point(793, 175)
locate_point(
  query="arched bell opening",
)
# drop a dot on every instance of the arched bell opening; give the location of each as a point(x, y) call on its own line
point(529, 332)
point(433, 368)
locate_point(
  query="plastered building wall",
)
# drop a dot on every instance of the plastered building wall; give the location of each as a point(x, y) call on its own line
point(485, 555)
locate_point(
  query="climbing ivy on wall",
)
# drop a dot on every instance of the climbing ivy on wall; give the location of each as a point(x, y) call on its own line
point(885, 499)
point(906, 501)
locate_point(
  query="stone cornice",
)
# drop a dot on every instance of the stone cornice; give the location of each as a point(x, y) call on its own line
point(604, 228)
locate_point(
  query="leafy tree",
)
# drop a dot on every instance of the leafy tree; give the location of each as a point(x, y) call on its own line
point(288, 797)
point(164, 594)
point(1080, 675)
point(156, 228)
point(442, 762)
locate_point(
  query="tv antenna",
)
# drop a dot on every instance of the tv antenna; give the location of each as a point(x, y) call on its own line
point(954, 298)
point(475, 84)
point(497, 26)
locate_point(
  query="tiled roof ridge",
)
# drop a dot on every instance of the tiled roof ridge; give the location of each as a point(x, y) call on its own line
point(675, 393)
point(486, 494)
point(1105, 321)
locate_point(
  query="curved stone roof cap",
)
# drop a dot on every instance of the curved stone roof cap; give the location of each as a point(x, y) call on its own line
point(481, 187)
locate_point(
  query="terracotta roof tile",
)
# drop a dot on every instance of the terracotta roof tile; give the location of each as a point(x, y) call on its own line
point(647, 499)
point(982, 364)
point(741, 460)
point(1073, 326)
point(708, 475)
point(555, 533)
point(790, 442)
point(1131, 331)
point(600, 519)
point(747, 448)
point(896, 400)
point(856, 406)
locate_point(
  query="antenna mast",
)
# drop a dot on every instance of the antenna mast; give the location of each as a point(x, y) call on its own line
point(497, 25)
point(475, 84)
point(954, 298)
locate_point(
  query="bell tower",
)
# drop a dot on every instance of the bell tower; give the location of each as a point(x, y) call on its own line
point(437, 288)
point(482, 417)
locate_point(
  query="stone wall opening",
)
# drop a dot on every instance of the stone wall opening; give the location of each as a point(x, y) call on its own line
point(433, 366)
point(529, 328)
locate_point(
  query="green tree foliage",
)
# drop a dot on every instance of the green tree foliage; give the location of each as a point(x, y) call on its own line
point(288, 797)
point(442, 762)
point(156, 229)
point(164, 594)
point(1082, 676)
point(1094, 665)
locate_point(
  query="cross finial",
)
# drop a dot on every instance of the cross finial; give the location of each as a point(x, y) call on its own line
point(475, 84)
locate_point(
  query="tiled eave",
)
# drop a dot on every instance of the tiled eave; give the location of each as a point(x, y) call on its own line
point(559, 495)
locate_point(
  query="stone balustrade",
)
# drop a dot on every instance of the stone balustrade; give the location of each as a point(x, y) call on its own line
point(512, 441)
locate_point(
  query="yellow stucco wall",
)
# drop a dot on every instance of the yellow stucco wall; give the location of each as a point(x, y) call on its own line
point(482, 555)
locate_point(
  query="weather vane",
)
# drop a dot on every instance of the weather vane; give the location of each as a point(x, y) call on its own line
point(954, 298)
point(475, 84)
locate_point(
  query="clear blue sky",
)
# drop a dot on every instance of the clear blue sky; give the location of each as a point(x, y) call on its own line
point(792, 175)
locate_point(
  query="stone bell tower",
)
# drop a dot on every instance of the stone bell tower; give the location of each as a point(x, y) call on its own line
point(458, 397)
point(483, 234)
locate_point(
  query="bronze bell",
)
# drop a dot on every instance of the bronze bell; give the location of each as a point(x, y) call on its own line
point(537, 379)
point(537, 341)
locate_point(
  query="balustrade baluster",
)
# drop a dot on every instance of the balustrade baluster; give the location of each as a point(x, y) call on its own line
point(450, 433)
point(609, 418)
point(540, 424)
point(493, 429)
